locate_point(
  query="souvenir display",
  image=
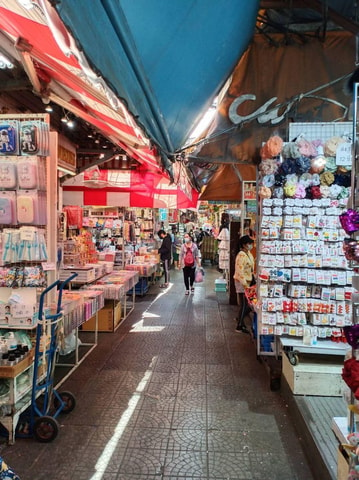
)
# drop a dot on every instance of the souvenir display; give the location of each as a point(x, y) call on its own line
point(304, 278)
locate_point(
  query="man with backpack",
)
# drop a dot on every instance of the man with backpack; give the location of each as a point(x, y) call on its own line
point(189, 259)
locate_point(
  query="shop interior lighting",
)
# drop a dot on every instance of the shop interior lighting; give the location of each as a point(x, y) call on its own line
point(5, 62)
point(28, 4)
point(49, 109)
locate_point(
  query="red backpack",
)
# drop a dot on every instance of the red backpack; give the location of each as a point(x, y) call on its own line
point(188, 257)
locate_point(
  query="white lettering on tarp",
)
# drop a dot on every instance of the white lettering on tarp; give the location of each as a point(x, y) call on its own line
point(263, 114)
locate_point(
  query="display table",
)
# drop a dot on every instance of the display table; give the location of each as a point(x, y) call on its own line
point(78, 307)
point(116, 287)
point(146, 271)
point(293, 346)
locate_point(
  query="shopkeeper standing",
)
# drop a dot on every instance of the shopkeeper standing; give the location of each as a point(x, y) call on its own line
point(165, 252)
point(243, 278)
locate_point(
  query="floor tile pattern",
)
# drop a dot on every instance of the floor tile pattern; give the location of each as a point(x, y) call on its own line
point(174, 394)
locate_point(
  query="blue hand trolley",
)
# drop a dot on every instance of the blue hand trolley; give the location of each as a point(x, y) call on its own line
point(43, 425)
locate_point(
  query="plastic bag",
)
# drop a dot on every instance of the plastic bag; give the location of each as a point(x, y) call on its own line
point(199, 275)
point(69, 344)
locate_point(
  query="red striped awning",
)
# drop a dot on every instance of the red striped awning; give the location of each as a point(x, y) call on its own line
point(129, 188)
point(49, 53)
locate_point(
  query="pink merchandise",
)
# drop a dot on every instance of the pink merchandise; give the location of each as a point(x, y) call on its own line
point(7, 175)
point(25, 209)
point(27, 172)
point(7, 207)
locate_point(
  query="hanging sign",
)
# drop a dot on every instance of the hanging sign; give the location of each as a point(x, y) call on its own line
point(344, 154)
point(163, 214)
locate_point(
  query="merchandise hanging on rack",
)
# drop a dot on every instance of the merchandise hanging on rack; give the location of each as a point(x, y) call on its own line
point(305, 283)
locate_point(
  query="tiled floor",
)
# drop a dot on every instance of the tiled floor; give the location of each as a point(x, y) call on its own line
point(175, 393)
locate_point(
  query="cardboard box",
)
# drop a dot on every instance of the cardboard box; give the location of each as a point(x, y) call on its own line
point(314, 376)
point(109, 318)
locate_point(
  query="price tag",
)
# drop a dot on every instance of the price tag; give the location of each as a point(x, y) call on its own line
point(344, 154)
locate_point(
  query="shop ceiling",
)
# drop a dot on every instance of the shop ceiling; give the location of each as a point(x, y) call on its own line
point(165, 63)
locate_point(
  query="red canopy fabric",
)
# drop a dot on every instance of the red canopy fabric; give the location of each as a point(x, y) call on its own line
point(131, 188)
point(70, 82)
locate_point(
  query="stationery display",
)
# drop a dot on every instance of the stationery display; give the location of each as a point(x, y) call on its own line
point(304, 278)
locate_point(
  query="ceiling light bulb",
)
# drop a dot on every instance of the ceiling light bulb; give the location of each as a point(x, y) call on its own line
point(64, 119)
point(70, 123)
point(49, 109)
point(5, 62)
point(28, 4)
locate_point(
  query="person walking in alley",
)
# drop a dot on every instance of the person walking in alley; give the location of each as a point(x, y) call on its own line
point(243, 278)
point(165, 252)
point(189, 259)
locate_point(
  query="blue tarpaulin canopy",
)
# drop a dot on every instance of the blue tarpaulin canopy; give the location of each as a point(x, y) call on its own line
point(166, 59)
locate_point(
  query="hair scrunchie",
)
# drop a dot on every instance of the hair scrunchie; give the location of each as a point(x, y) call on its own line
point(306, 148)
point(289, 190)
point(335, 191)
point(315, 179)
point(268, 166)
point(317, 164)
point(303, 164)
point(344, 193)
point(326, 178)
point(264, 192)
point(268, 180)
point(288, 166)
point(342, 179)
point(325, 191)
point(315, 192)
point(306, 180)
point(331, 145)
point(330, 165)
point(291, 150)
point(273, 146)
point(278, 192)
point(299, 191)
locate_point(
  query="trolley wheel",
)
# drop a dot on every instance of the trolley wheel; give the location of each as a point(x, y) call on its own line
point(69, 402)
point(293, 358)
point(45, 429)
